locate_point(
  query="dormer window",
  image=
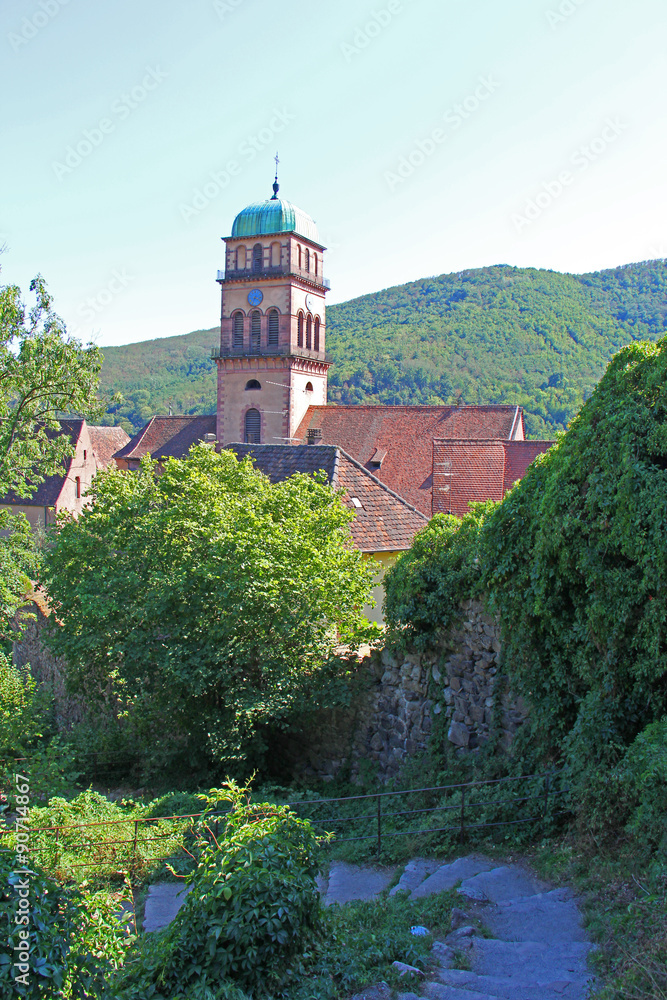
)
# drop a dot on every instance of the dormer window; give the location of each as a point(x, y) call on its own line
point(378, 458)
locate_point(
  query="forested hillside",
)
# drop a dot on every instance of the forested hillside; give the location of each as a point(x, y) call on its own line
point(492, 335)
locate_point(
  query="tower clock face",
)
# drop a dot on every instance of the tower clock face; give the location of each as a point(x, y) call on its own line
point(255, 297)
point(310, 303)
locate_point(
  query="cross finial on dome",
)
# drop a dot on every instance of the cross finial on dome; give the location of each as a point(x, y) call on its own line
point(276, 185)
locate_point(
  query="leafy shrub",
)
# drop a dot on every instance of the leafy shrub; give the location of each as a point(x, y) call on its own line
point(426, 585)
point(251, 915)
point(21, 710)
point(75, 939)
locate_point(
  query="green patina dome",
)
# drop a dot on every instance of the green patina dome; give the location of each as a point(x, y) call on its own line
point(274, 216)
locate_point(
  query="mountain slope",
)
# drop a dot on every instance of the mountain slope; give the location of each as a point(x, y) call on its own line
point(492, 335)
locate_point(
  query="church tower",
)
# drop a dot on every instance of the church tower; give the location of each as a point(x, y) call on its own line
point(271, 362)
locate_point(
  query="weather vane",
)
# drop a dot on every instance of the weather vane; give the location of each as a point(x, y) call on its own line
point(276, 186)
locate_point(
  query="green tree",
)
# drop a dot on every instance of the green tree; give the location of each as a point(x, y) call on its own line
point(44, 373)
point(211, 591)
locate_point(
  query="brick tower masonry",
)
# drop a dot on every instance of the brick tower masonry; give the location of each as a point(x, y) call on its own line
point(271, 361)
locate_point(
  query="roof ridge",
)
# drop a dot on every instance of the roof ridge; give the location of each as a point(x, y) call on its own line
point(380, 483)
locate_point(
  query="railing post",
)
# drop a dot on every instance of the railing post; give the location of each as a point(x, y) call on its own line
point(462, 832)
point(379, 825)
point(134, 845)
point(546, 801)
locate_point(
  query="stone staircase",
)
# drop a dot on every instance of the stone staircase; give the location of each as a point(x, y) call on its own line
point(538, 949)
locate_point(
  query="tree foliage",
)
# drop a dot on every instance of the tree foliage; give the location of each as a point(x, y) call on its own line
point(574, 561)
point(491, 335)
point(209, 590)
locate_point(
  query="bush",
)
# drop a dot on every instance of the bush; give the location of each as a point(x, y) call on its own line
point(251, 915)
point(75, 940)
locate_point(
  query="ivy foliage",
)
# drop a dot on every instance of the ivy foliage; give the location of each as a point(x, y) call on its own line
point(252, 914)
point(210, 591)
point(575, 563)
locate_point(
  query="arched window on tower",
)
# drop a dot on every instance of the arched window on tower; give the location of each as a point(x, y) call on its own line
point(309, 333)
point(253, 426)
point(307, 263)
point(316, 339)
point(274, 324)
point(240, 258)
point(299, 256)
point(257, 257)
point(317, 271)
point(255, 331)
point(237, 329)
point(299, 337)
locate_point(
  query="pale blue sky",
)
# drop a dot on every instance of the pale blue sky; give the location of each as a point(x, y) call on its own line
point(422, 136)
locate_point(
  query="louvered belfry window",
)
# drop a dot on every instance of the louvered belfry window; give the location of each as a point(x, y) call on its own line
point(257, 257)
point(307, 266)
point(255, 332)
point(299, 339)
point(309, 333)
point(316, 341)
point(253, 425)
point(273, 328)
point(237, 336)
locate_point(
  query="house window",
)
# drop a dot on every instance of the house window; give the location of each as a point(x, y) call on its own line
point(253, 425)
point(237, 335)
point(299, 338)
point(255, 331)
point(253, 384)
point(316, 342)
point(309, 333)
point(78, 487)
point(257, 257)
point(273, 327)
point(85, 453)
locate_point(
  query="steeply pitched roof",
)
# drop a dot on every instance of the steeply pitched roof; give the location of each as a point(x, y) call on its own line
point(106, 441)
point(167, 437)
point(406, 435)
point(466, 470)
point(384, 521)
point(47, 493)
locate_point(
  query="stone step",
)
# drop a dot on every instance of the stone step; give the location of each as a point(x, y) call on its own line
point(163, 902)
point(439, 991)
point(550, 917)
point(414, 874)
point(347, 883)
point(514, 988)
point(531, 961)
point(501, 884)
point(446, 876)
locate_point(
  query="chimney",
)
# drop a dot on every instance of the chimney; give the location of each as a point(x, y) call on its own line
point(314, 435)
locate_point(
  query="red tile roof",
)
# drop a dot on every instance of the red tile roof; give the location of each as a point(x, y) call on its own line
point(468, 470)
point(406, 434)
point(167, 437)
point(383, 522)
point(106, 441)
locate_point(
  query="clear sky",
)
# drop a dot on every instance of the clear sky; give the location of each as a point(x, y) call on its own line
point(423, 136)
